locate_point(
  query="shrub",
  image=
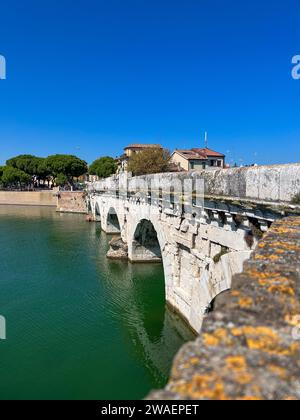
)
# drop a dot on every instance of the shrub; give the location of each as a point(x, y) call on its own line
point(149, 161)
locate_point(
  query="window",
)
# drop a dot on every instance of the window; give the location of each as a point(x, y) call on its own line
point(192, 165)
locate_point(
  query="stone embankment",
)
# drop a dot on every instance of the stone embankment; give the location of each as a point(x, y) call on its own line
point(72, 202)
point(250, 345)
point(28, 198)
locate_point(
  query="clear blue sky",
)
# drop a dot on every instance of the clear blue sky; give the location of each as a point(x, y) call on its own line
point(88, 77)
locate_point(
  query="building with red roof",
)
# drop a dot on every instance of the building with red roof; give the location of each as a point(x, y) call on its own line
point(198, 159)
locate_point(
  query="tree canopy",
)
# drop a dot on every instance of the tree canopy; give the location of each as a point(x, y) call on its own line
point(10, 176)
point(103, 167)
point(149, 161)
point(61, 180)
point(26, 163)
point(31, 165)
point(68, 165)
point(57, 167)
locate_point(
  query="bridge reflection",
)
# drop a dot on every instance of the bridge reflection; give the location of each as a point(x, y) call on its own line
point(139, 293)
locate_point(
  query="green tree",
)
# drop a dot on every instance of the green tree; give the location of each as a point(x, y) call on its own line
point(149, 161)
point(61, 180)
point(43, 172)
point(103, 167)
point(31, 165)
point(68, 165)
point(1, 174)
point(26, 163)
point(14, 177)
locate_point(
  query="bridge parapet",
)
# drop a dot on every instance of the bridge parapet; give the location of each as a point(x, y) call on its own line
point(276, 184)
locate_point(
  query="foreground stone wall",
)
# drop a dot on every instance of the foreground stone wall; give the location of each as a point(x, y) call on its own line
point(249, 347)
point(28, 198)
point(72, 202)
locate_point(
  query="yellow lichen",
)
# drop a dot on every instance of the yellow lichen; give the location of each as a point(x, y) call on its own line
point(237, 366)
point(237, 363)
point(293, 320)
point(217, 337)
point(243, 378)
point(277, 370)
point(278, 280)
point(281, 289)
point(265, 340)
point(207, 386)
point(270, 257)
point(245, 302)
point(220, 333)
point(210, 340)
point(236, 332)
point(282, 230)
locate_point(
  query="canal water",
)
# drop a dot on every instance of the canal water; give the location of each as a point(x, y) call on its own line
point(78, 325)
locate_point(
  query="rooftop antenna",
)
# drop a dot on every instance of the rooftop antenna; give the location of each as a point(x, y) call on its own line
point(205, 139)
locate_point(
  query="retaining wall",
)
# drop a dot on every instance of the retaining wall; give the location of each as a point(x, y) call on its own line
point(28, 198)
point(71, 202)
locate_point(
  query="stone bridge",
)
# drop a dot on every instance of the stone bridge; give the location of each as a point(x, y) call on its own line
point(203, 226)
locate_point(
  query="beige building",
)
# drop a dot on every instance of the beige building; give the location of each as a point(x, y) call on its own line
point(198, 159)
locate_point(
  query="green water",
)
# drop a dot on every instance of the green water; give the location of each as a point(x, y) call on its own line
point(78, 325)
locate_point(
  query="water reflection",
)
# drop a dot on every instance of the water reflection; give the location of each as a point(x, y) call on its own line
point(27, 212)
point(80, 326)
point(138, 290)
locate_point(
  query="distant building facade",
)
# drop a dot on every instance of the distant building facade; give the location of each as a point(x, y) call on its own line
point(198, 159)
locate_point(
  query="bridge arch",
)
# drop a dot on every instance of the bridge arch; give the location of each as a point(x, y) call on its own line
point(112, 222)
point(97, 213)
point(145, 244)
point(155, 249)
